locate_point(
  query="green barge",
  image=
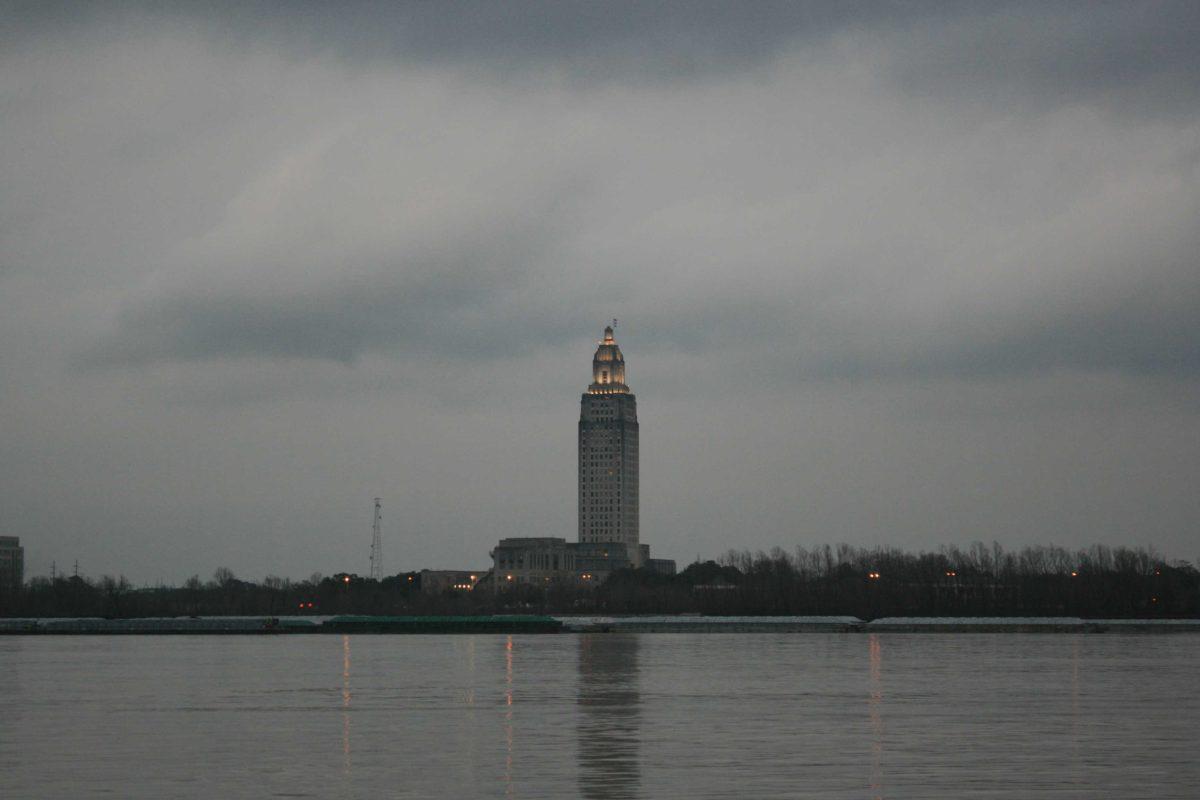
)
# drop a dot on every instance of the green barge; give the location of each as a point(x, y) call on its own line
point(276, 625)
point(510, 623)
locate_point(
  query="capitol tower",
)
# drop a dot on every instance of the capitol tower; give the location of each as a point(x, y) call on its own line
point(608, 454)
point(609, 532)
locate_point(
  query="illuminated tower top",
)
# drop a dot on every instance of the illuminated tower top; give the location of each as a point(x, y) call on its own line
point(608, 367)
point(608, 456)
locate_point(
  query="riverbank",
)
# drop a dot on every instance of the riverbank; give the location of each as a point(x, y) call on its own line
point(589, 624)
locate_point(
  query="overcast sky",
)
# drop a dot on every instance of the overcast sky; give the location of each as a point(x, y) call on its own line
point(886, 273)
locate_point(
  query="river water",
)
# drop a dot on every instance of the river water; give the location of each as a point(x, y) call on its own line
point(602, 715)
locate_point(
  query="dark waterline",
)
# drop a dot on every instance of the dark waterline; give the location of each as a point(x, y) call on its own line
point(605, 716)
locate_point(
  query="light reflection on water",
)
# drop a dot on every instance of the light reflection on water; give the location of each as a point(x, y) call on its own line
point(875, 712)
point(509, 787)
point(601, 716)
point(346, 702)
point(608, 732)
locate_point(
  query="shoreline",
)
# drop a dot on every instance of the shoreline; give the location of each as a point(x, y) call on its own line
point(508, 624)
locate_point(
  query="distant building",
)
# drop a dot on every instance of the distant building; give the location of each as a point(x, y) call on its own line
point(663, 566)
point(12, 562)
point(548, 560)
point(609, 528)
point(440, 581)
point(608, 454)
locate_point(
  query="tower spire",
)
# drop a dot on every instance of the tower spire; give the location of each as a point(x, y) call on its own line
point(608, 367)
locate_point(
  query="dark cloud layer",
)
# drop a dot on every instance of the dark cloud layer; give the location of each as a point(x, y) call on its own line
point(1057, 51)
point(602, 39)
point(1136, 58)
point(890, 272)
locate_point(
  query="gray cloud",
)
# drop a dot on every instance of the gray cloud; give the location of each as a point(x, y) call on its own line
point(257, 264)
point(1054, 52)
point(596, 40)
point(461, 302)
point(1136, 59)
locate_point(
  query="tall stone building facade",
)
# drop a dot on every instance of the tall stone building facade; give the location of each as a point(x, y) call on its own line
point(608, 454)
point(609, 528)
point(12, 562)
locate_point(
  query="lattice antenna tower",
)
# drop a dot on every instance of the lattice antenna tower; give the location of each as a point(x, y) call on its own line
point(377, 543)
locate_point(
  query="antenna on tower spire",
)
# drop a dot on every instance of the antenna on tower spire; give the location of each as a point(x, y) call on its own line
point(377, 543)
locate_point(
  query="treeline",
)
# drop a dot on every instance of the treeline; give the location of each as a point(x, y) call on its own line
point(1099, 582)
point(227, 595)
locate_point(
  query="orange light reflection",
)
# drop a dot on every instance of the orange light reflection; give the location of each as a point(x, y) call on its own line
point(874, 713)
point(346, 703)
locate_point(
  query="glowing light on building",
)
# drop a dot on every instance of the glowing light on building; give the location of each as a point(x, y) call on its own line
point(608, 454)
